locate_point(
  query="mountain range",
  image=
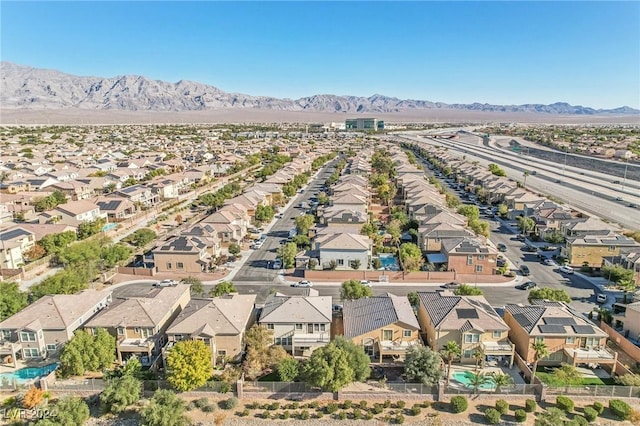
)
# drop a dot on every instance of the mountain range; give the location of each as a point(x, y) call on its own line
point(23, 87)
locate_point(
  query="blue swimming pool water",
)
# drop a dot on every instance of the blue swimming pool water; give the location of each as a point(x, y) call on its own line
point(109, 227)
point(464, 377)
point(29, 373)
point(388, 260)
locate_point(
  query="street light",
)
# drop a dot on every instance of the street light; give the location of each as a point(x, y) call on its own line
point(624, 179)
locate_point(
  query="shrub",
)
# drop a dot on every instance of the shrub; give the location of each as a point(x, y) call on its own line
point(304, 415)
point(415, 410)
point(347, 404)
point(243, 413)
point(201, 402)
point(399, 419)
point(387, 404)
point(590, 414)
point(265, 415)
point(530, 405)
point(33, 397)
point(520, 415)
point(357, 414)
point(225, 387)
point(599, 407)
point(492, 416)
point(578, 421)
point(313, 405)
point(620, 409)
point(459, 404)
point(342, 415)
point(362, 405)
point(377, 408)
point(368, 416)
point(229, 404)
point(426, 404)
point(190, 406)
point(502, 406)
point(274, 406)
point(209, 408)
point(400, 404)
point(565, 403)
point(285, 414)
point(332, 407)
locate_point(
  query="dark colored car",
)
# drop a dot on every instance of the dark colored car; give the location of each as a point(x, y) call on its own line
point(502, 247)
point(529, 249)
point(524, 270)
point(526, 286)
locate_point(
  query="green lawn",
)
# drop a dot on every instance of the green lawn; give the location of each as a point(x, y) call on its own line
point(550, 380)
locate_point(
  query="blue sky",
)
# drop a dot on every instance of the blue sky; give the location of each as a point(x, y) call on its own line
point(584, 53)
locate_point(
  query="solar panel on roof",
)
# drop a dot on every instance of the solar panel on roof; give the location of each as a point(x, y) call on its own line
point(522, 319)
point(551, 329)
point(467, 313)
point(583, 329)
point(6, 236)
point(559, 320)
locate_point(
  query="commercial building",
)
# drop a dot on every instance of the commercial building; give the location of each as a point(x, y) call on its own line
point(353, 124)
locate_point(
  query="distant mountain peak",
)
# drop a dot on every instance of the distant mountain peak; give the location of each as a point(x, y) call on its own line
point(35, 88)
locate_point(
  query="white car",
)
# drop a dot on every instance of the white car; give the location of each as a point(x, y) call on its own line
point(550, 262)
point(303, 283)
point(565, 269)
point(165, 283)
point(365, 283)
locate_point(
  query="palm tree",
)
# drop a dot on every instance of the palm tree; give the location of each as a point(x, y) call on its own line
point(540, 351)
point(525, 174)
point(500, 380)
point(478, 354)
point(476, 380)
point(450, 352)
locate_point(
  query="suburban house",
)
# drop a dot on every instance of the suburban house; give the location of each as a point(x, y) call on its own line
point(208, 234)
point(220, 323)
point(300, 324)
point(116, 208)
point(43, 327)
point(570, 338)
point(592, 249)
point(230, 222)
point(384, 326)
point(139, 323)
point(628, 322)
point(74, 189)
point(346, 250)
point(470, 321)
point(138, 194)
point(76, 212)
point(184, 253)
point(469, 255)
point(628, 259)
point(14, 243)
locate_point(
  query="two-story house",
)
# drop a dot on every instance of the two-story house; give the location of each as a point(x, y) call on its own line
point(384, 326)
point(345, 249)
point(42, 328)
point(185, 253)
point(220, 322)
point(593, 249)
point(76, 212)
point(300, 324)
point(467, 320)
point(15, 242)
point(469, 256)
point(139, 323)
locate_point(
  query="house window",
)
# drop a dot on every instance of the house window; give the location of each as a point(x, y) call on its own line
point(6, 334)
point(481, 257)
point(469, 260)
point(222, 352)
point(206, 341)
point(612, 248)
point(179, 265)
point(406, 333)
point(136, 330)
point(147, 332)
point(538, 339)
point(30, 352)
point(497, 334)
point(168, 265)
point(478, 268)
point(26, 336)
point(269, 326)
point(592, 341)
point(467, 353)
point(318, 327)
point(387, 334)
point(298, 326)
point(52, 347)
point(340, 262)
point(120, 331)
point(571, 340)
point(471, 338)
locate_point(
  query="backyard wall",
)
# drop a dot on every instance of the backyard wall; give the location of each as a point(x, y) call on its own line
point(395, 276)
point(145, 272)
point(630, 349)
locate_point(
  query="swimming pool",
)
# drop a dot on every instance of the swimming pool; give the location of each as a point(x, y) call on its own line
point(26, 374)
point(388, 261)
point(465, 378)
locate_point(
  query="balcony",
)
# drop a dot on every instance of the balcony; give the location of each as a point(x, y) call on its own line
point(497, 348)
point(388, 347)
point(595, 355)
point(309, 339)
point(9, 348)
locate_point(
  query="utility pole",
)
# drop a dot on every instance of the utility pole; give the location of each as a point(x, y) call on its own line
point(624, 179)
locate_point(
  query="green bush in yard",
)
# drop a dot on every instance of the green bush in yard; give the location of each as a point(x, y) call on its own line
point(577, 421)
point(459, 404)
point(599, 407)
point(502, 406)
point(565, 403)
point(400, 404)
point(530, 405)
point(399, 419)
point(229, 404)
point(416, 409)
point(492, 415)
point(590, 414)
point(520, 415)
point(332, 407)
point(620, 409)
point(201, 402)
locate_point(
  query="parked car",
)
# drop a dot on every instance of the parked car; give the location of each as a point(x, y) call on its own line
point(566, 269)
point(549, 261)
point(165, 283)
point(502, 247)
point(279, 216)
point(526, 286)
point(520, 237)
point(524, 270)
point(303, 283)
point(365, 283)
point(501, 262)
point(529, 249)
point(450, 285)
point(277, 264)
point(601, 298)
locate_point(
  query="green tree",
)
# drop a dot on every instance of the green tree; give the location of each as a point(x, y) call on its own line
point(423, 365)
point(287, 253)
point(197, 288)
point(222, 288)
point(449, 352)
point(358, 359)
point(234, 249)
point(12, 300)
point(53, 243)
point(304, 223)
point(548, 293)
point(120, 393)
point(264, 213)
point(411, 257)
point(164, 409)
point(69, 411)
point(451, 200)
point(550, 417)
point(500, 380)
point(526, 224)
point(540, 351)
point(567, 375)
point(288, 369)
point(141, 237)
point(525, 174)
point(478, 355)
point(477, 380)
point(87, 229)
point(328, 368)
point(354, 289)
point(86, 352)
point(414, 300)
point(355, 264)
point(469, 211)
point(467, 290)
point(503, 210)
point(189, 365)
point(617, 273)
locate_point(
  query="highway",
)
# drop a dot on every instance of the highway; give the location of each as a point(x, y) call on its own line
point(583, 192)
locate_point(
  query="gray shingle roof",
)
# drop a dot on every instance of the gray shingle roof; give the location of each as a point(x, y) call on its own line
point(371, 313)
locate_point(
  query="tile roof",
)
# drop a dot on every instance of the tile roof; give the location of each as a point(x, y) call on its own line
point(450, 312)
point(280, 308)
point(367, 314)
point(552, 318)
